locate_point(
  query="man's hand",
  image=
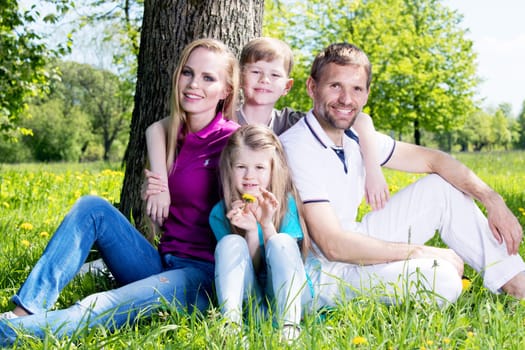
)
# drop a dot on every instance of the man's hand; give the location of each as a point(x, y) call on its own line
point(504, 225)
point(447, 254)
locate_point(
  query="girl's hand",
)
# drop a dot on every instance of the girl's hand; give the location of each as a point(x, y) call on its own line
point(267, 206)
point(241, 216)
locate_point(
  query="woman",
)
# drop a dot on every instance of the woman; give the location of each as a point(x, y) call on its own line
point(181, 270)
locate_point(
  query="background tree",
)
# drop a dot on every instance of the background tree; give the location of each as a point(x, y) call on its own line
point(23, 58)
point(501, 136)
point(166, 28)
point(83, 116)
point(521, 127)
point(106, 98)
point(424, 68)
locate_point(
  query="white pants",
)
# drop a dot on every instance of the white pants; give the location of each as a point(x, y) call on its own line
point(235, 279)
point(413, 215)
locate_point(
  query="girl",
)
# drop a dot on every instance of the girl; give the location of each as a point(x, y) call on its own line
point(257, 226)
point(205, 86)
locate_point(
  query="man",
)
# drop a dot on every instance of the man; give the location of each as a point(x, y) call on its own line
point(386, 249)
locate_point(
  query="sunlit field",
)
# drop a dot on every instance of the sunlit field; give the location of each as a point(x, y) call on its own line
point(35, 197)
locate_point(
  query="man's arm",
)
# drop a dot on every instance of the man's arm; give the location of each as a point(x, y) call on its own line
point(504, 225)
point(355, 248)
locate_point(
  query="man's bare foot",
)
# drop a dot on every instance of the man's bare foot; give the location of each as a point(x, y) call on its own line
point(516, 286)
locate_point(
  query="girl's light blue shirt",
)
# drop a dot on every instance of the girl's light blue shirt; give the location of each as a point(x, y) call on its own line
point(290, 225)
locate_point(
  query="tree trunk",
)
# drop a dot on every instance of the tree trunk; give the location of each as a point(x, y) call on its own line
point(417, 133)
point(168, 25)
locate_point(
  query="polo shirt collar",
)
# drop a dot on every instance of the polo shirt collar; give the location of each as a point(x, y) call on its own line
point(317, 131)
point(211, 127)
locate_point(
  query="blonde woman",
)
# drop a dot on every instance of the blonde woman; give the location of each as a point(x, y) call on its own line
point(181, 270)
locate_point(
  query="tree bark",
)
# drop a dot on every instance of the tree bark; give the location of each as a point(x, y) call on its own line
point(168, 25)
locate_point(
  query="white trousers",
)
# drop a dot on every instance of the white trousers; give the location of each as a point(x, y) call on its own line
point(413, 215)
point(235, 278)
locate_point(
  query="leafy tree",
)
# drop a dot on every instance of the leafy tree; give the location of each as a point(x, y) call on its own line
point(166, 28)
point(102, 95)
point(501, 135)
point(424, 69)
point(521, 127)
point(476, 131)
point(23, 60)
point(59, 133)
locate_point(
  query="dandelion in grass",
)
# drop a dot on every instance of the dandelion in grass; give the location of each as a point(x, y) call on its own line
point(6, 205)
point(26, 226)
point(44, 234)
point(359, 340)
point(430, 342)
point(25, 243)
point(465, 284)
point(446, 340)
point(470, 334)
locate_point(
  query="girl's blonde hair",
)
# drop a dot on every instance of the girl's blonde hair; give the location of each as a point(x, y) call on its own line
point(257, 138)
point(178, 121)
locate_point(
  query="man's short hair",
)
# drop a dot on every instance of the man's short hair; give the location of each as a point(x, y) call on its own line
point(342, 54)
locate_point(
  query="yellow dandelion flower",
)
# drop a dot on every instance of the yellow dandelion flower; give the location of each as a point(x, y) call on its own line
point(26, 226)
point(248, 198)
point(44, 234)
point(422, 348)
point(430, 342)
point(6, 205)
point(446, 340)
point(25, 243)
point(359, 340)
point(470, 334)
point(465, 284)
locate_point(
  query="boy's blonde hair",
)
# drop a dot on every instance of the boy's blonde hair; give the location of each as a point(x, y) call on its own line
point(227, 106)
point(267, 49)
point(256, 138)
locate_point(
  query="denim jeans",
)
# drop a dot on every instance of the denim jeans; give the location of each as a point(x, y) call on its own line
point(148, 280)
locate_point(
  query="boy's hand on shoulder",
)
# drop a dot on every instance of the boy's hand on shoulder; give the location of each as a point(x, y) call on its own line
point(376, 189)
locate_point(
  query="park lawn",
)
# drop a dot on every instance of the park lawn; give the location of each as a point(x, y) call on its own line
point(35, 197)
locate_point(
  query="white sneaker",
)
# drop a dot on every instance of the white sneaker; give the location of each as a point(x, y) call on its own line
point(8, 315)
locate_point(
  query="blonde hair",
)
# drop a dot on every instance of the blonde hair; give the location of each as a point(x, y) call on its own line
point(256, 138)
point(178, 121)
point(267, 49)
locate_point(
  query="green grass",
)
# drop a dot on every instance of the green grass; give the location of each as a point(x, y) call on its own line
point(35, 197)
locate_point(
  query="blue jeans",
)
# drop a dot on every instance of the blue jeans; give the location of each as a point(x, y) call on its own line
point(148, 280)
